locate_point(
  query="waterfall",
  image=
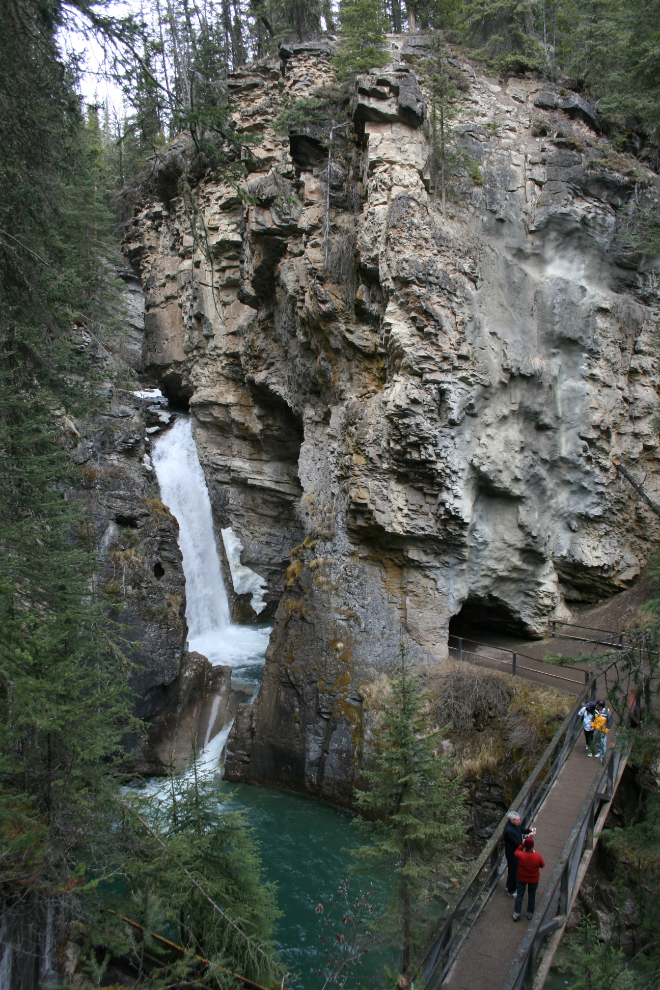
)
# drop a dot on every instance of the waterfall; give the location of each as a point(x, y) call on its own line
point(183, 490)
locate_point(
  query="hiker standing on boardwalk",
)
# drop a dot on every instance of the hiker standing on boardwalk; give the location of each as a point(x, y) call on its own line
point(586, 713)
point(529, 864)
point(601, 724)
point(513, 836)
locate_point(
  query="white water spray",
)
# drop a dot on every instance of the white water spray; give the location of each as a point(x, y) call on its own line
point(210, 631)
point(183, 490)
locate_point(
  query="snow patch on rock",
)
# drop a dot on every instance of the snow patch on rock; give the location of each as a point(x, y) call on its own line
point(245, 580)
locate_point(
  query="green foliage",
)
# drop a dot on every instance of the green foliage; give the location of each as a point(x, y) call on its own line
point(600, 965)
point(195, 876)
point(614, 50)
point(445, 156)
point(504, 34)
point(64, 702)
point(413, 810)
point(297, 115)
point(363, 28)
point(65, 708)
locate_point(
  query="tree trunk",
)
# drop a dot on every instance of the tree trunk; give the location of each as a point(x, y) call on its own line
point(412, 19)
point(229, 34)
point(545, 37)
point(327, 16)
point(406, 913)
point(396, 16)
point(442, 155)
point(239, 35)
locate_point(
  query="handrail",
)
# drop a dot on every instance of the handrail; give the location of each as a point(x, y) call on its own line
point(576, 625)
point(504, 649)
point(566, 877)
point(448, 936)
point(515, 666)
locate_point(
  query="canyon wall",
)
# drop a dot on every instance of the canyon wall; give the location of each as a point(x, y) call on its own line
point(403, 415)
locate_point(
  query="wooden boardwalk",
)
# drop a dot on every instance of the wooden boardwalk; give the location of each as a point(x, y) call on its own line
point(491, 946)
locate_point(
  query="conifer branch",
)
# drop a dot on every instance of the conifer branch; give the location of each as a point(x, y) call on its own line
point(25, 247)
point(232, 924)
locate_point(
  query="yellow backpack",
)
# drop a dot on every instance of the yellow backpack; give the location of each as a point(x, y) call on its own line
point(600, 723)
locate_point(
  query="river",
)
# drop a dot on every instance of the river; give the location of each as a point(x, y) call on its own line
point(304, 843)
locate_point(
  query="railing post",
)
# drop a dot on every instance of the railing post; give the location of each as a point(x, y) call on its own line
point(589, 838)
point(553, 627)
point(610, 776)
point(446, 948)
point(587, 675)
point(563, 892)
point(513, 665)
point(460, 648)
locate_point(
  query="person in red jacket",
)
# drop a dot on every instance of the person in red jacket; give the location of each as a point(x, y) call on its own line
point(529, 864)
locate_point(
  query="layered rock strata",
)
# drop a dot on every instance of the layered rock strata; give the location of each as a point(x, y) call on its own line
point(404, 416)
point(141, 575)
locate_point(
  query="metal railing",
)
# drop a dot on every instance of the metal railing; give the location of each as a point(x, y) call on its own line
point(615, 639)
point(511, 662)
point(446, 941)
point(552, 913)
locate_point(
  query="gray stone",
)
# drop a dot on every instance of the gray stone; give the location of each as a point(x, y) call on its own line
point(425, 425)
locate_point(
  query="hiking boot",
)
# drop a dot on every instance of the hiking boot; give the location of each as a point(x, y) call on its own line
point(510, 893)
point(516, 917)
point(529, 916)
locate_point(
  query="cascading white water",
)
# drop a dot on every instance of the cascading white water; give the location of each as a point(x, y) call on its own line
point(183, 490)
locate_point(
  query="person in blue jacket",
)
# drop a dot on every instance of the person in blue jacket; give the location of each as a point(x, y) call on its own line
point(513, 836)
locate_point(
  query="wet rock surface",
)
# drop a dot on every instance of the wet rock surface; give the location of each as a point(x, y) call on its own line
point(140, 575)
point(400, 414)
point(200, 703)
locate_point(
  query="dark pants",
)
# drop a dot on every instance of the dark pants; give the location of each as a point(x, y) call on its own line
point(512, 863)
point(588, 735)
point(520, 894)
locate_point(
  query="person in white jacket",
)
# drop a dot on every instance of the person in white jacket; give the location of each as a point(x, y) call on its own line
point(587, 713)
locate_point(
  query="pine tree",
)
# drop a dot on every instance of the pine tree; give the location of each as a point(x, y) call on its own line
point(506, 33)
point(444, 100)
point(194, 870)
point(363, 28)
point(413, 810)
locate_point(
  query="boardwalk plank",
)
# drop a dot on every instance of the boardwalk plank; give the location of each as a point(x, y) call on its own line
point(492, 944)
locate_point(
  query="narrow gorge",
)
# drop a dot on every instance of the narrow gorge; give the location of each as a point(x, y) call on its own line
point(404, 418)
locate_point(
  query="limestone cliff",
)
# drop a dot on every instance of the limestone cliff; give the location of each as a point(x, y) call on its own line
point(140, 573)
point(404, 416)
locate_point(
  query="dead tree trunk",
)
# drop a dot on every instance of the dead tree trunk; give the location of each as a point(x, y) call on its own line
point(638, 488)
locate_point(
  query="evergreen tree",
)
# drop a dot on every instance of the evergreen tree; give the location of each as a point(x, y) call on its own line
point(444, 99)
point(505, 33)
point(363, 28)
point(65, 708)
point(195, 870)
point(413, 811)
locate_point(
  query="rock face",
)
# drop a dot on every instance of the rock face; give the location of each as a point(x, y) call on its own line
point(405, 416)
point(141, 574)
point(140, 577)
point(201, 703)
